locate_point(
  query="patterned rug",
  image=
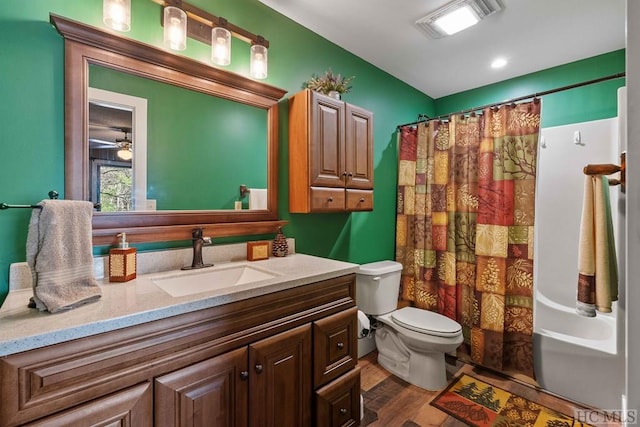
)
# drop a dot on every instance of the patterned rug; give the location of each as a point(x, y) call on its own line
point(479, 404)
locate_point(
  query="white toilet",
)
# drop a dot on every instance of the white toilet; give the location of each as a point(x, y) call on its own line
point(411, 342)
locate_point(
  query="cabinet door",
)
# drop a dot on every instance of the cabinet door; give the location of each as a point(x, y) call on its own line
point(327, 141)
point(130, 407)
point(359, 148)
point(280, 380)
point(209, 393)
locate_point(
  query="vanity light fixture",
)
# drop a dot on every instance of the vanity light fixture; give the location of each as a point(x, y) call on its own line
point(221, 43)
point(217, 32)
point(259, 61)
point(456, 16)
point(116, 14)
point(175, 28)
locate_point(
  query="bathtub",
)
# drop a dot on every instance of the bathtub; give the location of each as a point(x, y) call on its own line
point(581, 358)
point(577, 357)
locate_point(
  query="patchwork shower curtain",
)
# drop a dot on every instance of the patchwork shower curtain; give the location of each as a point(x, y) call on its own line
point(465, 221)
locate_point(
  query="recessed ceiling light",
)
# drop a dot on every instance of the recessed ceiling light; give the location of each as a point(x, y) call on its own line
point(498, 63)
point(456, 16)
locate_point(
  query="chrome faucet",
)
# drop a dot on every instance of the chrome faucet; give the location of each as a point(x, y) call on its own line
point(198, 241)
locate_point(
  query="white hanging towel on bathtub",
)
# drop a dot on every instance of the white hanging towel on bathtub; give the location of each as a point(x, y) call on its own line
point(258, 198)
point(597, 263)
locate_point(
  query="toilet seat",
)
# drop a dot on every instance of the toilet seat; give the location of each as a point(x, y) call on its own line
point(426, 322)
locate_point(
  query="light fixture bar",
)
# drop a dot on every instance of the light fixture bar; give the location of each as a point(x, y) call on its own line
point(200, 22)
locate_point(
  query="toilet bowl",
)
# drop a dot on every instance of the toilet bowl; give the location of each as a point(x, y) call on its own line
point(411, 342)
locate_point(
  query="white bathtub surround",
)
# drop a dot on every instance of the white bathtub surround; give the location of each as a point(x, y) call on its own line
point(577, 357)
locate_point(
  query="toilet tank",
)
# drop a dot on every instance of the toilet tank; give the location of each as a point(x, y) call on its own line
point(377, 287)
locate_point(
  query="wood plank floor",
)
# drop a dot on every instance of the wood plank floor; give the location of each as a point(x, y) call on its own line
point(392, 402)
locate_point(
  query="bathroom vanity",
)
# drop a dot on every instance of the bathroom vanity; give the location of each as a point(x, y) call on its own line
point(279, 351)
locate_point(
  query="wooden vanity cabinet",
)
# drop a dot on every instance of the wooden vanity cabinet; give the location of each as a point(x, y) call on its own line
point(330, 155)
point(281, 359)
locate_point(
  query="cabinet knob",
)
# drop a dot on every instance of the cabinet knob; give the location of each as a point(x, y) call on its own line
point(343, 411)
point(361, 199)
point(350, 174)
point(244, 375)
point(340, 345)
point(344, 174)
point(259, 368)
point(330, 199)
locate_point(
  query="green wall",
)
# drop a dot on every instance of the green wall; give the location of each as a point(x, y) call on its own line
point(592, 102)
point(32, 115)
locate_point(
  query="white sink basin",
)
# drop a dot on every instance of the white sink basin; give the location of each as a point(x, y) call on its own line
point(183, 283)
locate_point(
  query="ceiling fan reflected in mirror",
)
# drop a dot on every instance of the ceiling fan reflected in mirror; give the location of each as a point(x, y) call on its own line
point(104, 137)
point(126, 150)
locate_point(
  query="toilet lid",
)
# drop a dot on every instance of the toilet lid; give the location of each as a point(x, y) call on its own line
point(426, 322)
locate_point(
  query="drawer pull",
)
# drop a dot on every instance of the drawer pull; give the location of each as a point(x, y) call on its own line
point(259, 368)
point(330, 199)
point(244, 375)
point(340, 345)
point(361, 199)
point(343, 411)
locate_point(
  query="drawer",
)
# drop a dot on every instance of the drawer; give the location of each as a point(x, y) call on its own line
point(327, 199)
point(335, 346)
point(127, 407)
point(359, 200)
point(338, 403)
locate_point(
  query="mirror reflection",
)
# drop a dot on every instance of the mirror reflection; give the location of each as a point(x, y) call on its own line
point(192, 152)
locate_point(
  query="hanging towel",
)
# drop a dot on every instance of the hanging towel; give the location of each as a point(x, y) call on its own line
point(597, 263)
point(59, 252)
point(258, 198)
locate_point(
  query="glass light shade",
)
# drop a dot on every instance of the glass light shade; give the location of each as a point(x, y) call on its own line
point(220, 46)
point(116, 14)
point(175, 28)
point(258, 65)
point(125, 153)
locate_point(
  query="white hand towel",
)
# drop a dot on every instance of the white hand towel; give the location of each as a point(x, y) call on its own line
point(60, 254)
point(258, 198)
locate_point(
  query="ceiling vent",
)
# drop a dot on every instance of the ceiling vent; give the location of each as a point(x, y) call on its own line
point(456, 16)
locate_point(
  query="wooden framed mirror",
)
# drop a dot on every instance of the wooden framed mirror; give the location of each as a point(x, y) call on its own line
point(88, 47)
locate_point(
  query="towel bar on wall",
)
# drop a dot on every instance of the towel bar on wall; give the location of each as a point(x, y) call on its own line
point(608, 169)
point(53, 194)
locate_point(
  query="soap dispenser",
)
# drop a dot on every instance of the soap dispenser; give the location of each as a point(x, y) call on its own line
point(122, 261)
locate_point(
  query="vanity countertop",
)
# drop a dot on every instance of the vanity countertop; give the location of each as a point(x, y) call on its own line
point(140, 300)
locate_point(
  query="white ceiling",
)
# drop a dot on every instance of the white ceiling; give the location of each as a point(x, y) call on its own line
point(532, 34)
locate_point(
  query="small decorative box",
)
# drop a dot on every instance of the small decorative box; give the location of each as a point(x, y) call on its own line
point(257, 250)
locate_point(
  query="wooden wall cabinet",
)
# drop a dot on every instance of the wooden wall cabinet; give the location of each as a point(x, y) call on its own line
point(330, 155)
point(285, 359)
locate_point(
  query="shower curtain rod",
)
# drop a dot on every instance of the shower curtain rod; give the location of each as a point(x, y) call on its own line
point(520, 98)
